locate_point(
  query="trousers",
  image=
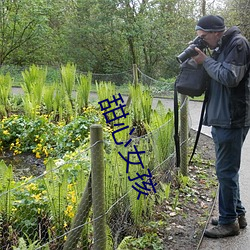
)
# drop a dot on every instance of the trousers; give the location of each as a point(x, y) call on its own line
point(228, 146)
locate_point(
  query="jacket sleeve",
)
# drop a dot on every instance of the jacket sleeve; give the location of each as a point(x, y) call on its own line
point(232, 69)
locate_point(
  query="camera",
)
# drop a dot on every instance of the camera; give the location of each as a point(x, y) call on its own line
point(190, 51)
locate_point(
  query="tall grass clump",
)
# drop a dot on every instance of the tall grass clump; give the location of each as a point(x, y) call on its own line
point(68, 74)
point(141, 106)
point(48, 97)
point(161, 128)
point(83, 91)
point(105, 90)
point(33, 85)
point(5, 90)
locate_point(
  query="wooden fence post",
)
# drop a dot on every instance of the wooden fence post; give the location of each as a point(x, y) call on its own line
point(98, 188)
point(80, 218)
point(135, 82)
point(135, 74)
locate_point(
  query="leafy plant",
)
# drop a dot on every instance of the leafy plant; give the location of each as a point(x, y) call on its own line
point(105, 90)
point(161, 128)
point(22, 245)
point(6, 184)
point(83, 91)
point(141, 103)
point(5, 90)
point(164, 192)
point(34, 81)
point(48, 98)
point(147, 241)
point(68, 74)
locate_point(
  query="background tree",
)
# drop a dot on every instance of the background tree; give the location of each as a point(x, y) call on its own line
point(104, 36)
point(21, 25)
point(237, 13)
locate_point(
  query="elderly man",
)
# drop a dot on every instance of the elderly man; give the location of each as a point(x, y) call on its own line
point(228, 112)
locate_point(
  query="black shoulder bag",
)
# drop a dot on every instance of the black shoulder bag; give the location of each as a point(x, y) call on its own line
point(191, 81)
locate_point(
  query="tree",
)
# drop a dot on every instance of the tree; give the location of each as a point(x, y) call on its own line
point(237, 13)
point(21, 21)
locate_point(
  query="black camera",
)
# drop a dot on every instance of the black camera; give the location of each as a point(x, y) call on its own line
point(190, 51)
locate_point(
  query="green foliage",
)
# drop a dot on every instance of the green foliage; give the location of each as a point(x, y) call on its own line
point(147, 241)
point(67, 139)
point(29, 245)
point(34, 81)
point(43, 137)
point(83, 91)
point(57, 188)
point(105, 90)
point(68, 74)
point(48, 98)
point(161, 126)
point(163, 193)
point(141, 107)
point(6, 184)
point(5, 90)
point(30, 206)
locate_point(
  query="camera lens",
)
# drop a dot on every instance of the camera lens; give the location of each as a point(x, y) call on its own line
point(187, 53)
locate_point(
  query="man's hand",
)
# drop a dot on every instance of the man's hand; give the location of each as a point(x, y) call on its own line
point(200, 58)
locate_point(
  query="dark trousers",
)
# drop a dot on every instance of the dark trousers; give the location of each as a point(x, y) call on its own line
point(228, 145)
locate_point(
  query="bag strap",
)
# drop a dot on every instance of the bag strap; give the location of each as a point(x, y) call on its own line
point(176, 126)
point(199, 127)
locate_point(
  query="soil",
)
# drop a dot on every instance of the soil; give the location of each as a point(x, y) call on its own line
point(25, 164)
point(187, 222)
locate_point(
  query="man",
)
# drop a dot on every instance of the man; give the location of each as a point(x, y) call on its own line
point(228, 112)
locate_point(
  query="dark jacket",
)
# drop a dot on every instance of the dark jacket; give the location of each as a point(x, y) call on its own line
point(229, 90)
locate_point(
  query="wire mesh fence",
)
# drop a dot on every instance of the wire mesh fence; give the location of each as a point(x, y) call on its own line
point(57, 209)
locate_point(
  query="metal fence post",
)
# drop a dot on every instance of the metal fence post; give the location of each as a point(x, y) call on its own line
point(184, 135)
point(98, 194)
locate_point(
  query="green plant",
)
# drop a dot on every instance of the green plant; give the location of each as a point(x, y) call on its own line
point(176, 199)
point(48, 98)
point(34, 81)
point(83, 91)
point(28, 245)
point(30, 208)
point(141, 104)
point(68, 74)
point(161, 128)
point(105, 90)
point(184, 181)
point(164, 192)
point(147, 241)
point(6, 196)
point(5, 90)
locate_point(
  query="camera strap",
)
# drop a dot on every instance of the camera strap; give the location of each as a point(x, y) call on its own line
point(176, 126)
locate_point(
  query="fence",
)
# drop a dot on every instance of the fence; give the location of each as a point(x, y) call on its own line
point(81, 208)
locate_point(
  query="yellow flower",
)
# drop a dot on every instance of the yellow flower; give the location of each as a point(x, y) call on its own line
point(73, 199)
point(69, 211)
point(31, 187)
point(37, 196)
point(38, 155)
point(6, 132)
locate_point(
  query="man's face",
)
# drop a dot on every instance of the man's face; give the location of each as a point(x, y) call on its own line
point(211, 38)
